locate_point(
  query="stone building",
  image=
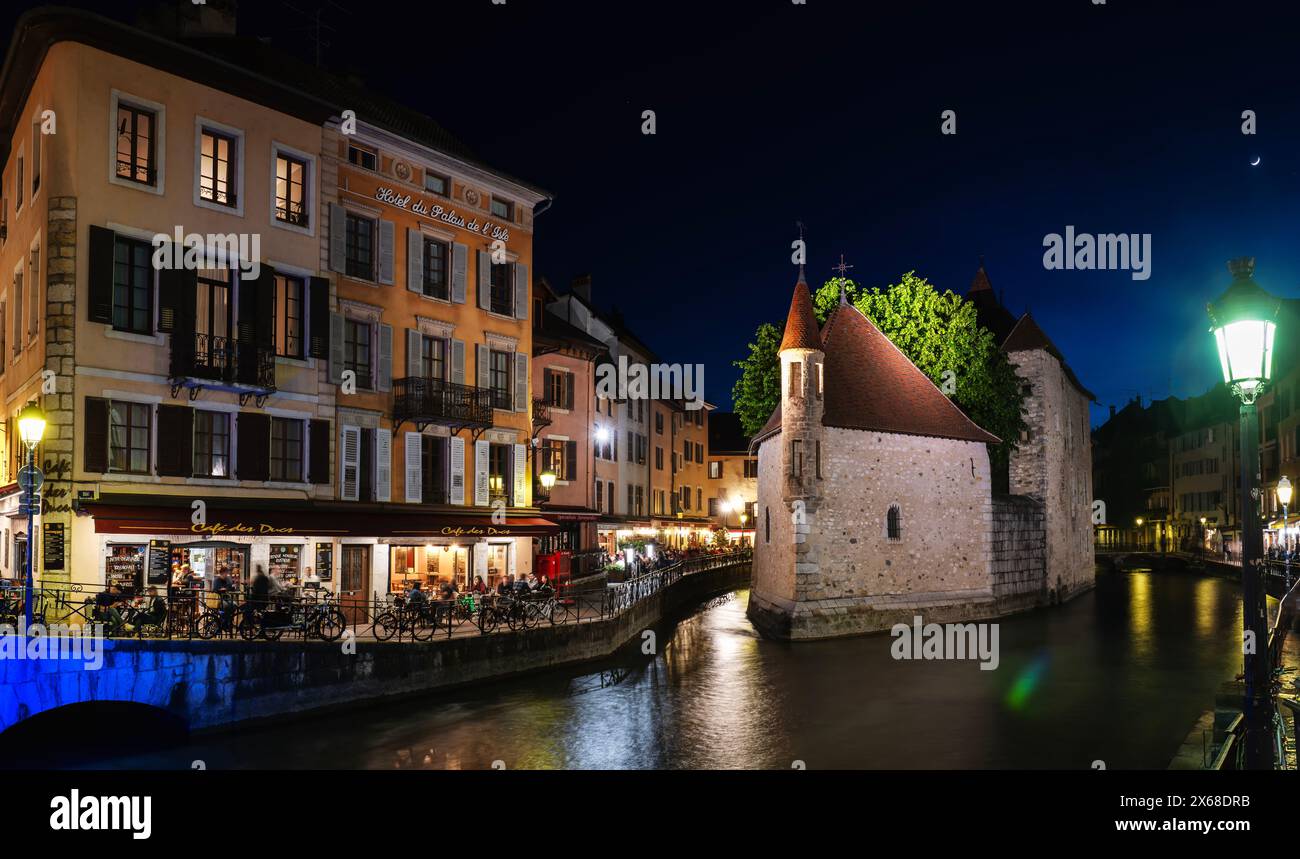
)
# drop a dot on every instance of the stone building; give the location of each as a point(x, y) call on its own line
point(876, 498)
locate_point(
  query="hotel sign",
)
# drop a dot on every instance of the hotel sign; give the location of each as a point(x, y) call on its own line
point(425, 209)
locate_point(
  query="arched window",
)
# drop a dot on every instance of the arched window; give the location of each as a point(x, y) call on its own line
point(894, 523)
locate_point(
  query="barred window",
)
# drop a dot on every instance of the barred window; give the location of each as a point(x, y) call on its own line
point(894, 523)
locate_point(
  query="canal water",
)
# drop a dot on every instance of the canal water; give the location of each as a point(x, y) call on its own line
point(1118, 675)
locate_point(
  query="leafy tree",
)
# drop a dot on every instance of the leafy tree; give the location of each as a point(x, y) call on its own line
point(757, 392)
point(938, 331)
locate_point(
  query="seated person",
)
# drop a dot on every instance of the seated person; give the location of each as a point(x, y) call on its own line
point(106, 607)
point(449, 590)
point(154, 612)
point(505, 586)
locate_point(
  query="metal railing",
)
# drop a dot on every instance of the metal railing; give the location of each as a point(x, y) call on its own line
point(321, 615)
point(424, 400)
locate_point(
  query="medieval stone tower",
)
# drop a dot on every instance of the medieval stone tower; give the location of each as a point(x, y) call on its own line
point(801, 408)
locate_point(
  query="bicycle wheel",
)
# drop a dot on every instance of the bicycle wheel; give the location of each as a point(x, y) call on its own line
point(488, 620)
point(249, 626)
point(209, 626)
point(272, 633)
point(332, 623)
point(385, 625)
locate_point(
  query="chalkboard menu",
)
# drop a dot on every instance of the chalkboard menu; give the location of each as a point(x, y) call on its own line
point(325, 561)
point(160, 562)
point(124, 566)
point(52, 546)
point(284, 562)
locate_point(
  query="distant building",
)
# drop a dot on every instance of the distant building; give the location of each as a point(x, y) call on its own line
point(733, 477)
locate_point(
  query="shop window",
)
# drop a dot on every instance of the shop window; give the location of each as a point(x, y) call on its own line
point(286, 563)
point(124, 566)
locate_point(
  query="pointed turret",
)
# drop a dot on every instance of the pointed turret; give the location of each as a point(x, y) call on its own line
point(801, 398)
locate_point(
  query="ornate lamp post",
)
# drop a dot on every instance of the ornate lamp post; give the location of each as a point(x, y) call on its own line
point(1139, 532)
point(31, 427)
point(1244, 328)
point(1202, 549)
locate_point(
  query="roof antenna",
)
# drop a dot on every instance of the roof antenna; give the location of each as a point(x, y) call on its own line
point(842, 268)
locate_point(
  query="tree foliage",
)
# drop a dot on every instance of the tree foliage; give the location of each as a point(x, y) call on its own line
point(938, 331)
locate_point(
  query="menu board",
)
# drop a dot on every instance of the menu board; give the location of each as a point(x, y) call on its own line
point(160, 562)
point(52, 546)
point(325, 561)
point(285, 562)
point(124, 566)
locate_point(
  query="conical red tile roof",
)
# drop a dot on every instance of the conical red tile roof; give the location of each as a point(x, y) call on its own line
point(869, 384)
point(801, 323)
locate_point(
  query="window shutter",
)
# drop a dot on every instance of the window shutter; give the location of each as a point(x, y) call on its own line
point(521, 476)
point(254, 448)
point(414, 260)
point(319, 321)
point(95, 446)
point(102, 245)
point(484, 279)
point(338, 237)
point(482, 356)
point(521, 291)
point(319, 440)
point(336, 347)
point(459, 271)
point(569, 383)
point(176, 441)
point(521, 381)
point(350, 473)
point(386, 238)
point(172, 283)
point(413, 344)
point(183, 294)
point(383, 464)
point(480, 473)
point(457, 448)
point(414, 467)
point(458, 362)
point(571, 460)
point(546, 387)
point(384, 367)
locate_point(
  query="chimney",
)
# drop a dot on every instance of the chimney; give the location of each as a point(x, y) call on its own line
point(582, 287)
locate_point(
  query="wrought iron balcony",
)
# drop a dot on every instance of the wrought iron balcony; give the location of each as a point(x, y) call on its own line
point(541, 412)
point(434, 401)
point(210, 361)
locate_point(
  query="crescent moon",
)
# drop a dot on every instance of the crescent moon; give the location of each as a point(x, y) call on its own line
point(1255, 163)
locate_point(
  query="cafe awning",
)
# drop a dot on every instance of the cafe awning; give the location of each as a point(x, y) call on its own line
point(274, 518)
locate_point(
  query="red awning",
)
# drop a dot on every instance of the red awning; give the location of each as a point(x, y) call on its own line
point(142, 519)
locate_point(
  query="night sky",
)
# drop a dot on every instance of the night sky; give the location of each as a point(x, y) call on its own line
point(1123, 117)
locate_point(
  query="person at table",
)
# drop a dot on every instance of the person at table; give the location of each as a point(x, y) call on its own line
point(106, 607)
point(522, 587)
point(480, 586)
point(505, 586)
point(449, 591)
point(416, 597)
point(154, 611)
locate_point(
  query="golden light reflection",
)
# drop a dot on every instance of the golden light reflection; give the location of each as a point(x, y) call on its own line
point(1140, 611)
point(1206, 598)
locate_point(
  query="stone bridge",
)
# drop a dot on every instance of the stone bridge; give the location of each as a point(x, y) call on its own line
point(207, 685)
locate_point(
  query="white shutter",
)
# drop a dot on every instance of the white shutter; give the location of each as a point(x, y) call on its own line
point(338, 237)
point(383, 464)
point(414, 473)
point(384, 366)
point(459, 269)
point(521, 381)
point(386, 230)
point(457, 470)
point(480, 473)
point(484, 279)
point(414, 260)
point(482, 358)
point(521, 291)
point(458, 361)
point(351, 470)
point(414, 344)
point(521, 475)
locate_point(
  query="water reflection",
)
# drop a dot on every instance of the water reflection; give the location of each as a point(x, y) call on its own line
point(1119, 674)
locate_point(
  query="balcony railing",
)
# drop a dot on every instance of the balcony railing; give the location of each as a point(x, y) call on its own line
point(434, 401)
point(221, 361)
point(541, 412)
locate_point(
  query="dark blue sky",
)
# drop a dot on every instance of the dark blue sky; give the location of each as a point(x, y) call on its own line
point(1122, 117)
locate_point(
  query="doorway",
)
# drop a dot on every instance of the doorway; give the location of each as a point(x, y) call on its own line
point(354, 582)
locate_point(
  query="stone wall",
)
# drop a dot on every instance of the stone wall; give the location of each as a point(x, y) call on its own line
point(216, 684)
point(1019, 553)
point(864, 581)
point(1054, 466)
point(60, 413)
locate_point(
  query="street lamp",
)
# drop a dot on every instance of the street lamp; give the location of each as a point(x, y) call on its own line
point(1202, 550)
point(1139, 532)
point(1243, 327)
point(1284, 497)
point(547, 478)
point(31, 427)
